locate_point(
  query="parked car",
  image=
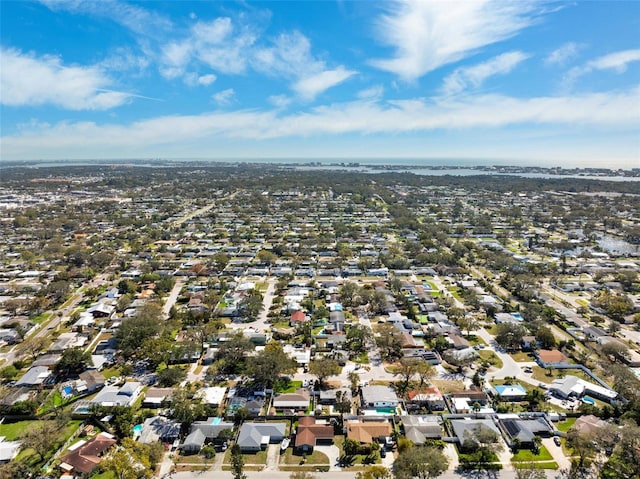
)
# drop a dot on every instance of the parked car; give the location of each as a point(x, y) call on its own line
point(556, 441)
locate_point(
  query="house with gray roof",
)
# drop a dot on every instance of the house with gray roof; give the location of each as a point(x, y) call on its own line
point(519, 430)
point(159, 429)
point(126, 395)
point(254, 437)
point(34, 377)
point(420, 428)
point(212, 427)
point(374, 397)
point(193, 442)
point(466, 430)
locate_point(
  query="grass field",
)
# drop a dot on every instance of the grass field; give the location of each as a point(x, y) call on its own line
point(564, 426)
point(522, 357)
point(257, 458)
point(551, 465)
point(526, 455)
point(315, 457)
point(14, 430)
point(291, 387)
point(491, 357)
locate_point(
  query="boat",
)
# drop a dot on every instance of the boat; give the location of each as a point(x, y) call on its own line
point(285, 444)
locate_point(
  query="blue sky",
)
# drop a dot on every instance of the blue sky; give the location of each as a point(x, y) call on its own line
point(532, 83)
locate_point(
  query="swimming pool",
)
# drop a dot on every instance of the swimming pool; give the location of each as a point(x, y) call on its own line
point(137, 430)
point(518, 316)
point(216, 420)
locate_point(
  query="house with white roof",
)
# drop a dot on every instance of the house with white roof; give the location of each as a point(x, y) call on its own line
point(573, 386)
point(212, 396)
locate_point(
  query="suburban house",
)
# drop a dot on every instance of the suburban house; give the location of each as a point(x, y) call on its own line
point(328, 396)
point(550, 358)
point(213, 396)
point(252, 404)
point(311, 432)
point(297, 317)
point(254, 436)
point(420, 428)
point(466, 401)
point(84, 456)
point(111, 396)
point(588, 424)
point(519, 430)
point(298, 401)
point(35, 377)
point(8, 450)
point(90, 381)
point(202, 431)
point(379, 397)
point(156, 397)
point(430, 398)
point(66, 341)
point(159, 429)
point(466, 430)
point(573, 386)
point(367, 430)
point(510, 392)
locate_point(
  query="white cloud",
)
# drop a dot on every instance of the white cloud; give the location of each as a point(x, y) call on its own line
point(428, 34)
point(135, 18)
point(375, 92)
point(175, 57)
point(216, 44)
point(224, 97)
point(617, 61)
point(193, 79)
point(231, 49)
point(29, 80)
point(309, 87)
point(206, 80)
point(279, 101)
point(474, 76)
point(564, 54)
point(290, 57)
point(603, 111)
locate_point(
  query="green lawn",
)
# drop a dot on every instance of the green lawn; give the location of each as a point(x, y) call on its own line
point(551, 465)
point(14, 430)
point(315, 457)
point(541, 374)
point(362, 358)
point(491, 357)
point(291, 387)
point(522, 357)
point(526, 455)
point(257, 458)
point(104, 475)
point(564, 426)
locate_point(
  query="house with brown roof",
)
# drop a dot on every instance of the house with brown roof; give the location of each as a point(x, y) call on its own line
point(298, 401)
point(311, 432)
point(550, 358)
point(366, 431)
point(84, 457)
point(297, 317)
point(429, 397)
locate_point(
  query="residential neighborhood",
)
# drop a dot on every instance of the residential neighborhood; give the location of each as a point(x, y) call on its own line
point(175, 319)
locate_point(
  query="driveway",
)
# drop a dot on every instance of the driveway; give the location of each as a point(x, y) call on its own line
point(556, 452)
point(273, 455)
point(333, 453)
